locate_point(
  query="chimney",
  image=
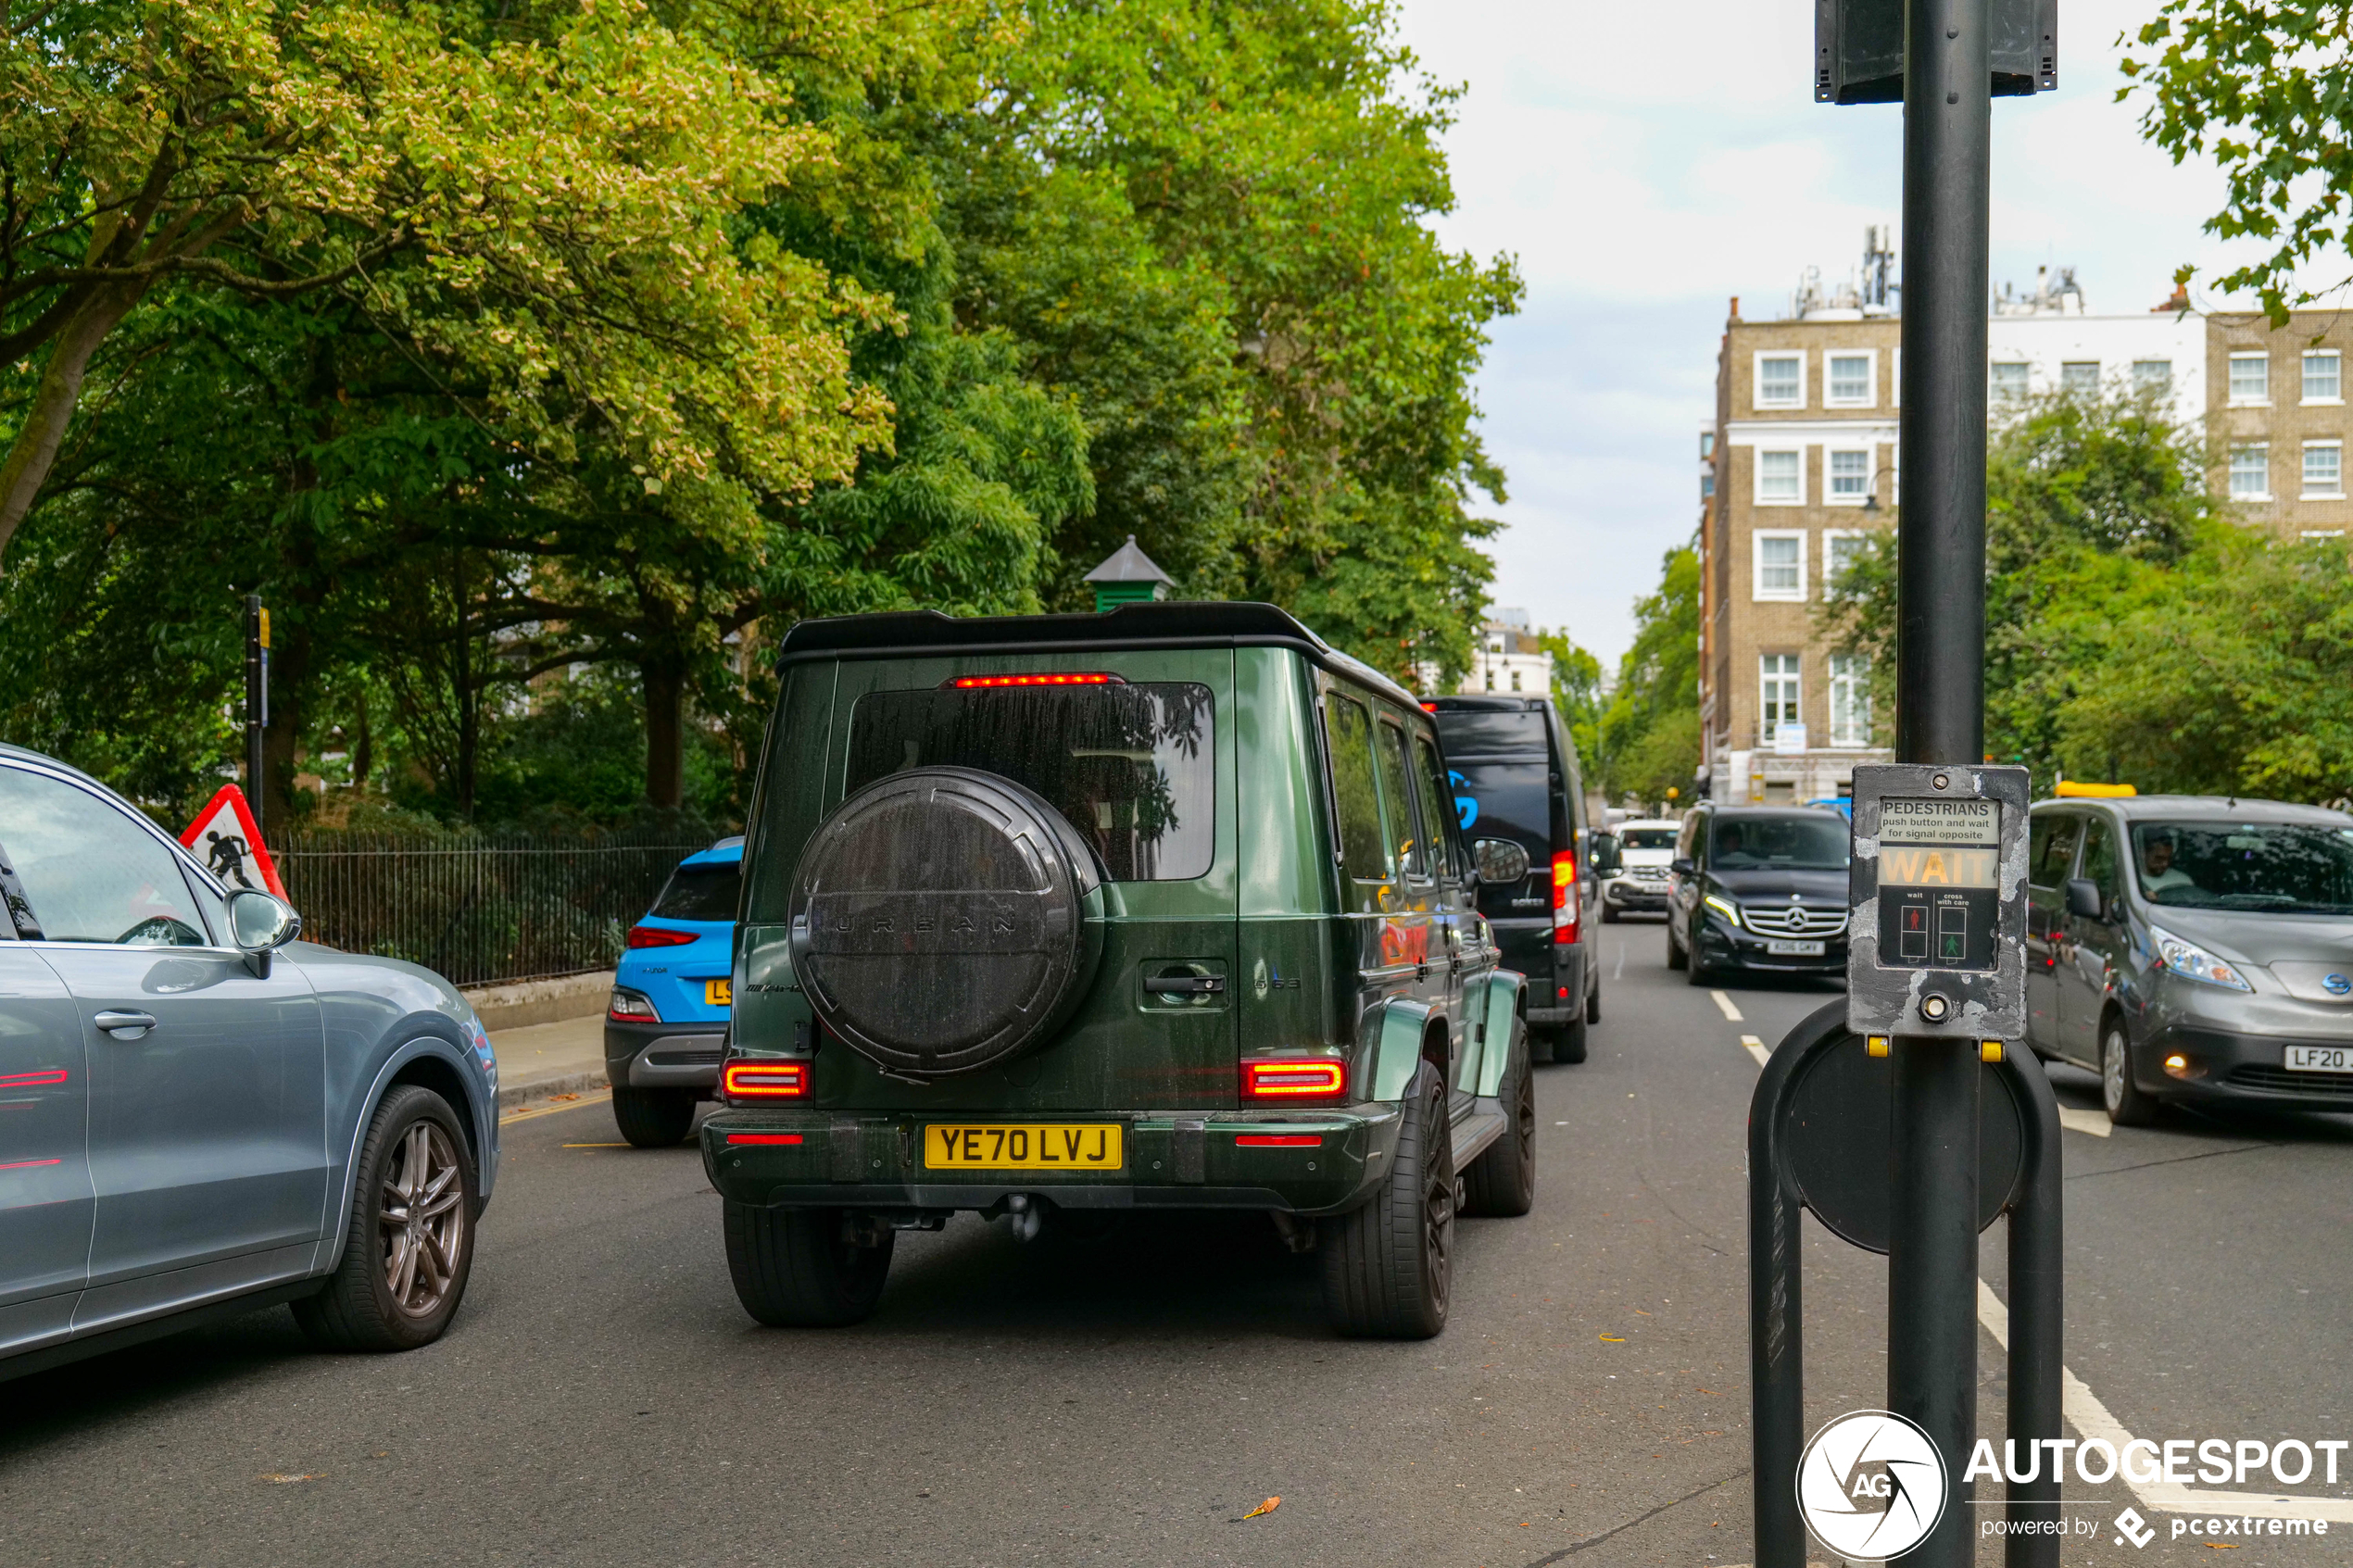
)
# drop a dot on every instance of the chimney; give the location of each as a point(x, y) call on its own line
point(1736, 308)
point(2180, 301)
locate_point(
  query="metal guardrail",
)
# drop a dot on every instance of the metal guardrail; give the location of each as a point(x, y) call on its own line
point(477, 911)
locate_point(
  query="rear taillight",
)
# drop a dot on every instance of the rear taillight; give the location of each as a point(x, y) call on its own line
point(658, 936)
point(629, 1007)
point(764, 1138)
point(1278, 1140)
point(765, 1080)
point(1564, 897)
point(1295, 1080)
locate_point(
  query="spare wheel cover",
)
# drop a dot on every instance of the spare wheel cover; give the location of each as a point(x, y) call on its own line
point(939, 919)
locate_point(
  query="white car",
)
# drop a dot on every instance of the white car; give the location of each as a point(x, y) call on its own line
point(1645, 847)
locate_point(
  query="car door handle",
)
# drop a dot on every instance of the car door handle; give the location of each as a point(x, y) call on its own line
point(124, 1025)
point(1185, 984)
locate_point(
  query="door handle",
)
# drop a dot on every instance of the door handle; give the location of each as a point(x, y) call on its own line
point(124, 1025)
point(1185, 984)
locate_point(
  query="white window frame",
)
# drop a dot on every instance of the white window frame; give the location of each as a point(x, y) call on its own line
point(2229, 378)
point(1856, 677)
point(2231, 460)
point(1756, 378)
point(1870, 473)
point(2139, 385)
point(1756, 479)
point(2067, 364)
point(2306, 492)
point(1896, 378)
point(1797, 678)
point(1869, 357)
point(1756, 567)
point(1830, 574)
point(2304, 368)
point(1994, 392)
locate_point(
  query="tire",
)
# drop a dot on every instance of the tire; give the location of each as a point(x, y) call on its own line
point(409, 1243)
point(2127, 1106)
point(654, 1118)
point(1695, 972)
point(795, 1268)
point(1609, 913)
point(1503, 1180)
point(1387, 1266)
point(1676, 957)
point(1568, 1046)
point(1593, 1004)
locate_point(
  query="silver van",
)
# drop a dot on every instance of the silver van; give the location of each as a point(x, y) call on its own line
point(2193, 948)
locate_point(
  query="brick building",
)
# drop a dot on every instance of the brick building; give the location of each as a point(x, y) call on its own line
point(2276, 420)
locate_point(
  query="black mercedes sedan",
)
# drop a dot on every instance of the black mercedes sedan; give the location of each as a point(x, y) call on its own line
point(1758, 889)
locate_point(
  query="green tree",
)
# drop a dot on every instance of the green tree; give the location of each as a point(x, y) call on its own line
point(1577, 691)
point(2260, 89)
point(1649, 735)
point(2090, 503)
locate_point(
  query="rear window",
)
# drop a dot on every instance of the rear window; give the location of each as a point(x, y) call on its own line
point(702, 893)
point(1134, 767)
point(1814, 842)
point(1473, 733)
point(1506, 800)
point(1647, 838)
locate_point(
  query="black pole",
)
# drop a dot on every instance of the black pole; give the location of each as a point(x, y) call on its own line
point(2037, 1270)
point(1940, 714)
point(256, 698)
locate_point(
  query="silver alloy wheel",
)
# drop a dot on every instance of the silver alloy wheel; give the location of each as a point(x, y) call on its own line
point(2112, 1071)
point(422, 1219)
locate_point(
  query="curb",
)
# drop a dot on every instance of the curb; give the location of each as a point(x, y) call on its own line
point(512, 1094)
point(525, 1003)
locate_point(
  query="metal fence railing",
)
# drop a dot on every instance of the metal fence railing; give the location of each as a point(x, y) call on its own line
point(478, 910)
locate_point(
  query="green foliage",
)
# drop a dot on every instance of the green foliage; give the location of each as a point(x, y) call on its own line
point(2132, 631)
point(2260, 89)
point(1577, 693)
point(1648, 737)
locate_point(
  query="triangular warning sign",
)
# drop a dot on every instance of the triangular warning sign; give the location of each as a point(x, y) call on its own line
point(225, 838)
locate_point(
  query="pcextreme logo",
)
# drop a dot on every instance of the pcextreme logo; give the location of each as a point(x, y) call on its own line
point(1870, 1486)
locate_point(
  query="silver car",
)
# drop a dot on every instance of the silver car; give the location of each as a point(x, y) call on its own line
point(2195, 949)
point(199, 1115)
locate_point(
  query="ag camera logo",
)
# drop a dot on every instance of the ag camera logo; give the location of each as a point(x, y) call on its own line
point(1870, 1486)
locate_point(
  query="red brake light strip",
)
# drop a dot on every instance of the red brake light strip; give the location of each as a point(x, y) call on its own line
point(1278, 1140)
point(981, 683)
point(764, 1138)
point(1294, 1080)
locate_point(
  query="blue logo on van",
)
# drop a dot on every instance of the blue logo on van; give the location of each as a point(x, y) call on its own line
point(2336, 985)
point(1466, 806)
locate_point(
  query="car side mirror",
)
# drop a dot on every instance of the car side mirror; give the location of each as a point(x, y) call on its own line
point(1499, 861)
point(1682, 865)
point(2084, 898)
point(1605, 857)
point(260, 924)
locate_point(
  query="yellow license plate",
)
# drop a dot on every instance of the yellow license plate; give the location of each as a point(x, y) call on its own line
point(719, 992)
point(1029, 1145)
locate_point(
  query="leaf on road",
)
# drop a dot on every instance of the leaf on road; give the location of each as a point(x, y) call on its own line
point(1268, 1507)
point(1613, 1339)
point(288, 1480)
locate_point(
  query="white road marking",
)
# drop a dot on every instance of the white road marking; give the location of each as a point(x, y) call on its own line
point(1724, 1005)
point(1756, 1048)
point(1619, 971)
point(2091, 1419)
point(2093, 1121)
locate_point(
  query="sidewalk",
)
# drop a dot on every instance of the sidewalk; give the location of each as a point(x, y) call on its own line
point(539, 1059)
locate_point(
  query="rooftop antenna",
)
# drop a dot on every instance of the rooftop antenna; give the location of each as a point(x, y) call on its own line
point(1880, 289)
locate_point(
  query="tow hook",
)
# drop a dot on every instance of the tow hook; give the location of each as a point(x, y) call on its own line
point(1028, 1217)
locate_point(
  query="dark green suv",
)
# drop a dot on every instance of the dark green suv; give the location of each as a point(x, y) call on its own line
point(1059, 916)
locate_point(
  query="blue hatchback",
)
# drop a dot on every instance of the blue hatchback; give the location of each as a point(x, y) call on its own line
point(666, 1026)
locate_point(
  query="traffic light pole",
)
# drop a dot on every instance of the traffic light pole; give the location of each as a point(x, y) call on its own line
point(1940, 713)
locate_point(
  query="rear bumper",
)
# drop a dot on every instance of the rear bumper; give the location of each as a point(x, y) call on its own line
point(1626, 893)
point(663, 1056)
point(872, 1161)
point(2224, 1067)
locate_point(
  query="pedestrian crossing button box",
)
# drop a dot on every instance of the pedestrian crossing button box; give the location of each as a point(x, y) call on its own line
point(1937, 897)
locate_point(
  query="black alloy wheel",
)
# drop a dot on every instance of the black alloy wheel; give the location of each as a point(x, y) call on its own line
point(1388, 1264)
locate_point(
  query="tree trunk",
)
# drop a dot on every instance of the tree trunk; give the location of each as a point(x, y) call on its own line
point(280, 742)
point(31, 455)
point(665, 735)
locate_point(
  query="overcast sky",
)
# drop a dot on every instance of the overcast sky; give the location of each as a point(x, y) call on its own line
point(1646, 162)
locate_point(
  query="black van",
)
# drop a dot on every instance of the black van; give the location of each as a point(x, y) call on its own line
point(1522, 803)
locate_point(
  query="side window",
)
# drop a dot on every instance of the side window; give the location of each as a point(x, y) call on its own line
point(2050, 849)
point(1687, 842)
point(1439, 816)
point(1405, 841)
point(90, 872)
point(2099, 860)
point(1363, 857)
